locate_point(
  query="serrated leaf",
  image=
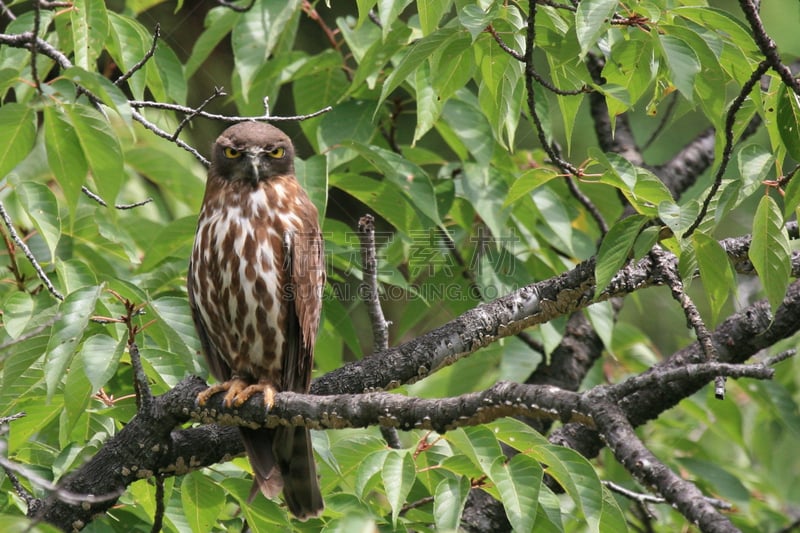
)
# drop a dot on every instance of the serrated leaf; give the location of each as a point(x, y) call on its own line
point(755, 164)
point(770, 251)
point(101, 149)
point(527, 182)
point(683, 64)
point(89, 31)
point(67, 332)
point(715, 271)
point(64, 154)
point(398, 475)
point(616, 249)
point(202, 500)
point(518, 482)
point(101, 355)
point(370, 467)
point(41, 205)
point(17, 312)
point(448, 503)
point(788, 118)
point(255, 35)
point(16, 136)
point(592, 19)
point(578, 478)
point(417, 53)
point(678, 217)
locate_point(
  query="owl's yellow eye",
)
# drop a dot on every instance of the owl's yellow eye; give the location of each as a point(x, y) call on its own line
point(277, 153)
point(232, 153)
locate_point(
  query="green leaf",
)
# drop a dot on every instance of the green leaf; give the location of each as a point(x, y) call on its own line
point(313, 176)
point(452, 67)
point(770, 252)
point(755, 164)
point(475, 20)
point(101, 355)
point(518, 482)
point(419, 52)
point(67, 332)
point(678, 217)
point(127, 43)
point(202, 500)
point(101, 149)
point(388, 11)
point(64, 154)
point(683, 63)
point(174, 240)
point(218, 24)
point(16, 136)
point(383, 197)
point(715, 271)
point(479, 444)
point(89, 31)
point(41, 205)
point(789, 121)
point(448, 503)
point(369, 468)
point(17, 312)
point(398, 477)
point(255, 35)
point(616, 248)
point(470, 126)
point(527, 182)
point(430, 13)
point(592, 19)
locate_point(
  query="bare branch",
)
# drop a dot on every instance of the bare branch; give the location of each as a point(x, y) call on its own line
point(85, 190)
point(224, 118)
point(380, 327)
point(139, 64)
point(27, 251)
point(730, 119)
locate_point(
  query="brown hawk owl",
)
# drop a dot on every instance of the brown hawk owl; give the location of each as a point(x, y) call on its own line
point(255, 283)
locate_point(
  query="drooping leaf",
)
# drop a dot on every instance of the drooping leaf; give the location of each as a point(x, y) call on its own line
point(16, 135)
point(683, 63)
point(715, 271)
point(789, 121)
point(592, 19)
point(42, 207)
point(64, 154)
point(527, 182)
point(89, 31)
point(398, 477)
point(67, 333)
point(616, 249)
point(202, 500)
point(770, 251)
point(449, 500)
point(518, 480)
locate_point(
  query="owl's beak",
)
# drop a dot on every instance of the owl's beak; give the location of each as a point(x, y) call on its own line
point(252, 171)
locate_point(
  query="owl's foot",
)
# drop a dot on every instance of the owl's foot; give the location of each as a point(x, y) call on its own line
point(265, 387)
point(232, 388)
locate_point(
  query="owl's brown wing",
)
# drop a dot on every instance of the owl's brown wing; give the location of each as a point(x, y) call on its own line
point(306, 271)
point(216, 364)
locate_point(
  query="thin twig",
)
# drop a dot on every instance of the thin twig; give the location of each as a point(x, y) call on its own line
point(694, 321)
point(156, 34)
point(767, 45)
point(85, 190)
point(218, 91)
point(27, 251)
point(224, 118)
point(730, 120)
point(158, 517)
point(138, 117)
point(7, 12)
point(775, 359)
point(37, 21)
point(380, 327)
point(650, 498)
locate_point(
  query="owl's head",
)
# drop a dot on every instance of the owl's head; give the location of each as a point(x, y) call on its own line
point(252, 151)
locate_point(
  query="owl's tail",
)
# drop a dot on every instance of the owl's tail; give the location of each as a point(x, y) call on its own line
point(282, 458)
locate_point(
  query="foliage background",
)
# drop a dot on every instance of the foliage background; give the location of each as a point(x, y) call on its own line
point(437, 141)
